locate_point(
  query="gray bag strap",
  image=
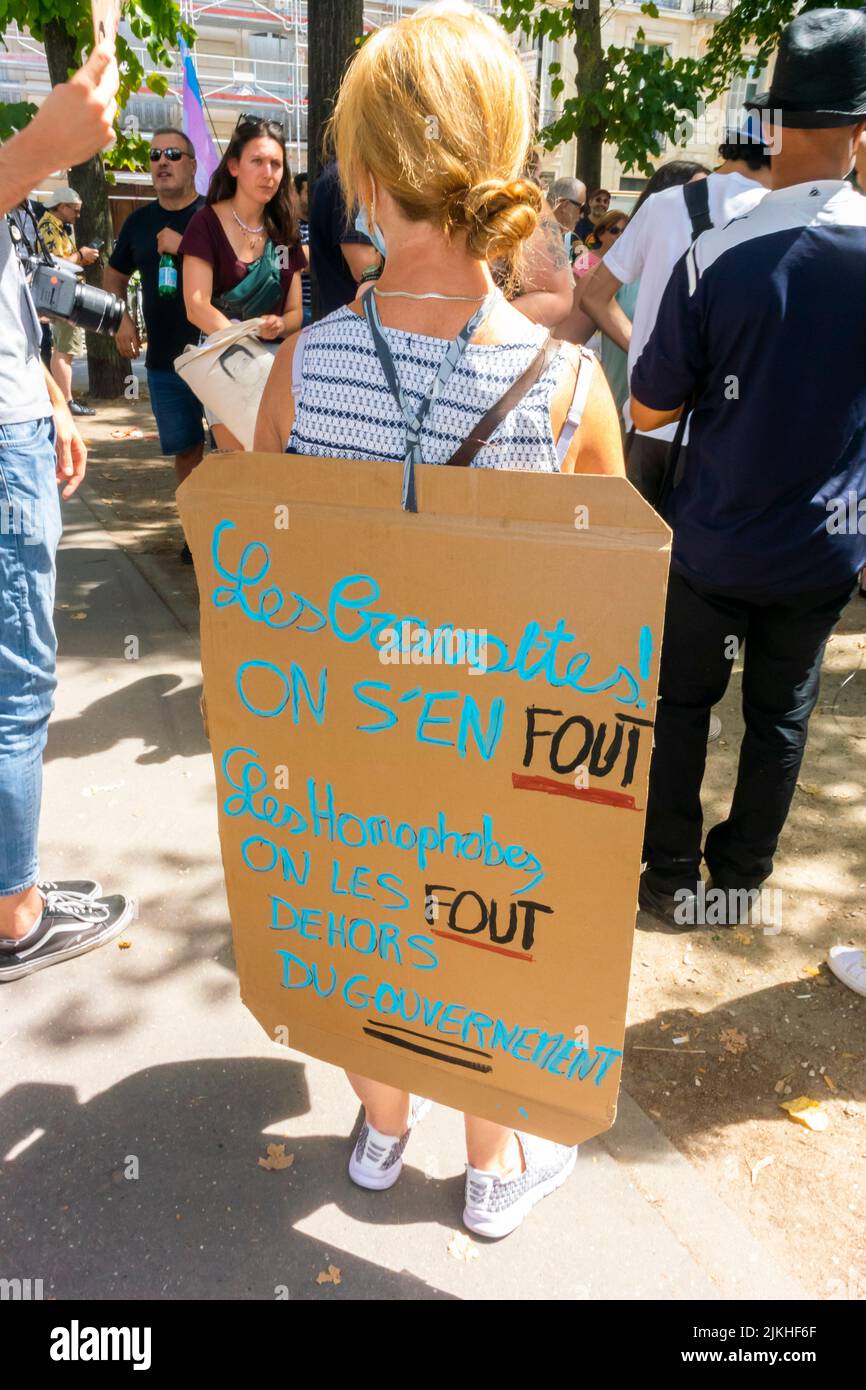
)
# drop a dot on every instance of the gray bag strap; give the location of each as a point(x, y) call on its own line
point(414, 420)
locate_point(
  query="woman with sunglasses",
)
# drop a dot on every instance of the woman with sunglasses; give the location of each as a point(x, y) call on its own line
point(242, 252)
point(434, 331)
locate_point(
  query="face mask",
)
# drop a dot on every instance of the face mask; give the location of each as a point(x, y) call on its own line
point(362, 224)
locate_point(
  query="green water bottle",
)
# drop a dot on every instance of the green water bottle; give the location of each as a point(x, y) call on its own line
point(167, 276)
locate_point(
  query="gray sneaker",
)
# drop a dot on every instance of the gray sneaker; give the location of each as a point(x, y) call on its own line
point(376, 1161)
point(495, 1207)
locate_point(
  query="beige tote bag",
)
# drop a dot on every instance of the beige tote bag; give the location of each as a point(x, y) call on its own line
point(228, 373)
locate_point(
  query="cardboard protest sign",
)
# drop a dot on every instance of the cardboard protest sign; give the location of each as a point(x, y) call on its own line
point(431, 736)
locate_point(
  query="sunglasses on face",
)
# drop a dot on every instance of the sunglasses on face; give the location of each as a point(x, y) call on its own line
point(172, 153)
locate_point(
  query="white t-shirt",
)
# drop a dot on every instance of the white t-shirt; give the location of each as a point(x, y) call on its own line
point(23, 393)
point(653, 242)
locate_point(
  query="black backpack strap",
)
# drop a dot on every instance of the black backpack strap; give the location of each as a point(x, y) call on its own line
point(697, 196)
point(466, 452)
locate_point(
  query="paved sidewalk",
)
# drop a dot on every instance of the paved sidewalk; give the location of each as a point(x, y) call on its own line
point(140, 1057)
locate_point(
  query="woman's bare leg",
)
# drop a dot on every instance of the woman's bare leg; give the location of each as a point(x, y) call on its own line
point(493, 1148)
point(387, 1108)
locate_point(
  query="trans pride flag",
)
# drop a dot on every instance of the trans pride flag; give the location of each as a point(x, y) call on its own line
point(194, 124)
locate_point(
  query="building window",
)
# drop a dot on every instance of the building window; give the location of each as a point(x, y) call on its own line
point(149, 113)
point(745, 89)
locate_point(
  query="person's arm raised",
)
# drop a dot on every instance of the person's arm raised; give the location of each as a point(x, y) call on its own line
point(75, 121)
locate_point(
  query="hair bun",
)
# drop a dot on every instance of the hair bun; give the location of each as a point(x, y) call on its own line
point(496, 215)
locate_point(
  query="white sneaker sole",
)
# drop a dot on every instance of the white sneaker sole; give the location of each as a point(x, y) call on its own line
point(834, 962)
point(376, 1181)
point(31, 967)
point(497, 1224)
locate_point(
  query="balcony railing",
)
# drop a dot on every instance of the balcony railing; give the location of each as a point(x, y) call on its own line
point(713, 9)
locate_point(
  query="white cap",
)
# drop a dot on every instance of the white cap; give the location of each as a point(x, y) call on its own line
point(61, 195)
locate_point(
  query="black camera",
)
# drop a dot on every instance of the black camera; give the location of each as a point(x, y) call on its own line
point(58, 292)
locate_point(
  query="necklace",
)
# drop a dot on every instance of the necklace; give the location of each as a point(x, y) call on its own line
point(432, 294)
point(252, 232)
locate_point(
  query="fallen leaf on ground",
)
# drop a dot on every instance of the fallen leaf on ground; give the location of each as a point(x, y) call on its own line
point(733, 1041)
point(805, 1111)
point(123, 945)
point(829, 1083)
point(761, 1163)
point(460, 1247)
point(79, 617)
point(97, 790)
point(811, 970)
point(743, 938)
point(331, 1275)
point(278, 1158)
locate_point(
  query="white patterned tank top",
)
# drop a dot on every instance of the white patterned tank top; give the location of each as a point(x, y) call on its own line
point(345, 409)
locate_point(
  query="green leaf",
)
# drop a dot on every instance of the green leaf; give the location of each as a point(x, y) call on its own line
point(157, 82)
point(14, 116)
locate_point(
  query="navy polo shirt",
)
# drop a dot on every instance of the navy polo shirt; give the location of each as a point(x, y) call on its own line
point(765, 321)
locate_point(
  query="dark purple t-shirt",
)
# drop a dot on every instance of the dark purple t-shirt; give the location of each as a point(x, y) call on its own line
point(206, 238)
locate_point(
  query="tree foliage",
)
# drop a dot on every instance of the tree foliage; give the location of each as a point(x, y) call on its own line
point(155, 23)
point(636, 97)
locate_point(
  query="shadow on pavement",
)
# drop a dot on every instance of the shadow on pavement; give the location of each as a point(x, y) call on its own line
point(202, 1219)
point(166, 719)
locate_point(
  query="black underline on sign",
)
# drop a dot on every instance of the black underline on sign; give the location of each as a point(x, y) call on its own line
point(428, 1051)
point(413, 1033)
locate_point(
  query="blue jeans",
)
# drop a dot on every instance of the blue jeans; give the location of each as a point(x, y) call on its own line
point(29, 533)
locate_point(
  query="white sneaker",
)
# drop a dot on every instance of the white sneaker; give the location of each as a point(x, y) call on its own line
point(495, 1206)
point(715, 728)
point(376, 1161)
point(848, 964)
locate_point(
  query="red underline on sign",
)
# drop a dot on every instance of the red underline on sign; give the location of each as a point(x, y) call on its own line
point(596, 795)
point(479, 945)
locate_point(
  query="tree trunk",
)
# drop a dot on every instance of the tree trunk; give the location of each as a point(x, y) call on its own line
point(590, 79)
point(107, 370)
point(334, 26)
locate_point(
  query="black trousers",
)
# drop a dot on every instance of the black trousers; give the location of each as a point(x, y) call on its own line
point(784, 637)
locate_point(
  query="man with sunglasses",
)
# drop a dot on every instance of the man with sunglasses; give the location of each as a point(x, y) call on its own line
point(147, 234)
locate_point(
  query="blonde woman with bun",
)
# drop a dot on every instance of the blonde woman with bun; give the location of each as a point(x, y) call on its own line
point(432, 128)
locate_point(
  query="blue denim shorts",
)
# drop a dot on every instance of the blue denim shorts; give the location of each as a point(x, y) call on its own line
point(178, 412)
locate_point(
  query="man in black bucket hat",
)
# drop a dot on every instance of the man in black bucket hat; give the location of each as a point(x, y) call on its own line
point(762, 328)
point(819, 81)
